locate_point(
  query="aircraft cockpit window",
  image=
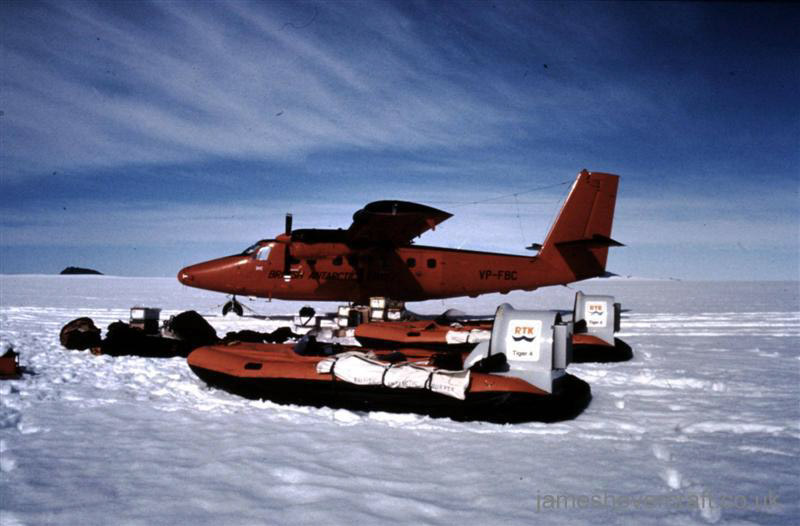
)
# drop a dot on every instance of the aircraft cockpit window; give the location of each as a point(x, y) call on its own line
point(251, 249)
point(263, 253)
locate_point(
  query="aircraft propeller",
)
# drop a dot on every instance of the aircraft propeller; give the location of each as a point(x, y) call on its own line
point(287, 256)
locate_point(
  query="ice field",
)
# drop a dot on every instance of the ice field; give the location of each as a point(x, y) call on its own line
point(702, 426)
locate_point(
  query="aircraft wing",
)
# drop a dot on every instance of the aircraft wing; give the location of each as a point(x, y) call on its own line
point(393, 222)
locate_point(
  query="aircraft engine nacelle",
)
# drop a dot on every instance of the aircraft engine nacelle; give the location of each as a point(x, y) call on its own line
point(597, 316)
point(537, 345)
point(302, 250)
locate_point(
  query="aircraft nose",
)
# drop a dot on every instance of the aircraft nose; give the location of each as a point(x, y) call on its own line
point(221, 275)
point(185, 276)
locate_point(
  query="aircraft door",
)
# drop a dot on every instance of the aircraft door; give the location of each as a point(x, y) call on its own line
point(255, 270)
point(432, 268)
point(262, 259)
point(377, 272)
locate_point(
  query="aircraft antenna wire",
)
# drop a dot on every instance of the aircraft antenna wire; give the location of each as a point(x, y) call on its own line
point(455, 204)
point(519, 222)
point(514, 195)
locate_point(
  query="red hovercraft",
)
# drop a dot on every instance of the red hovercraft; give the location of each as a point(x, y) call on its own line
point(518, 375)
point(596, 318)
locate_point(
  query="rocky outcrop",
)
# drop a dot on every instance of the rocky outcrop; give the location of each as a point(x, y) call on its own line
point(79, 270)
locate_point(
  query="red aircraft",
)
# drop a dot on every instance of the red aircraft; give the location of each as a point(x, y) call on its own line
point(376, 256)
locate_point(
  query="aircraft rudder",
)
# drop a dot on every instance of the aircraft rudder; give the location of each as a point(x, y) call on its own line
point(577, 245)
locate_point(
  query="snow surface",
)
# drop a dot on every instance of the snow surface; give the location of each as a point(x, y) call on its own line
point(708, 408)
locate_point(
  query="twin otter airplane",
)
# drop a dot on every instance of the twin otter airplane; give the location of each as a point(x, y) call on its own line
point(376, 256)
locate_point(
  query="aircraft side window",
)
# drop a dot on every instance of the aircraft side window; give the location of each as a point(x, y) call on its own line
point(411, 262)
point(337, 260)
point(263, 254)
point(431, 263)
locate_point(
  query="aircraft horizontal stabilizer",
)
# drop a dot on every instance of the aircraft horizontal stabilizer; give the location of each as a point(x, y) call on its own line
point(596, 241)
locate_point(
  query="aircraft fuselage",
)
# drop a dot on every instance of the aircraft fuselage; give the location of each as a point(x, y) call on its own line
point(410, 273)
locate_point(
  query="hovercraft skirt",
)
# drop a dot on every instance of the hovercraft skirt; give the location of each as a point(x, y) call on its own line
point(572, 397)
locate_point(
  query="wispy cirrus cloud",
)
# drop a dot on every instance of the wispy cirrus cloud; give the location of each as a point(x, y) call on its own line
point(110, 84)
point(93, 87)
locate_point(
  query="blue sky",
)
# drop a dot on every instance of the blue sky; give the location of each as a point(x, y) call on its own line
point(139, 137)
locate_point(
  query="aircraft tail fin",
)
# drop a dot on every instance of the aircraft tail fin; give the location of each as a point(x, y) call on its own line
point(577, 245)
